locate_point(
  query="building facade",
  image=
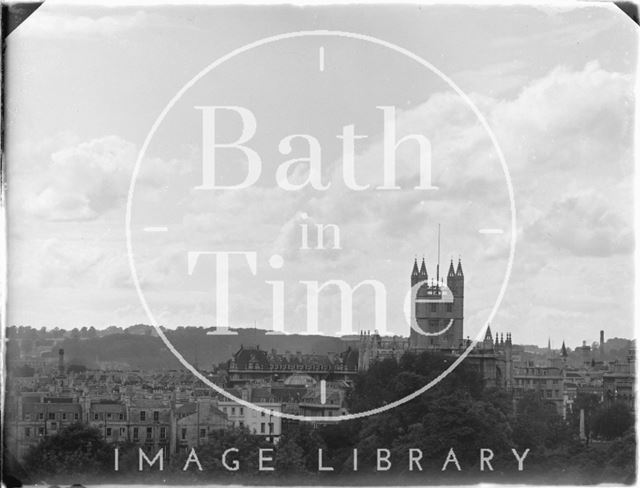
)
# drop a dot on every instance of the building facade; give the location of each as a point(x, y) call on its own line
point(252, 364)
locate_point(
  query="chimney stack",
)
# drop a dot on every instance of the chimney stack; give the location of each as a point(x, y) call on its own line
point(61, 361)
point(601, 344)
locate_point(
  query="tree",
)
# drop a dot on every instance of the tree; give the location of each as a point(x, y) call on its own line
point(589, 402)
point(77, 449)
point(622, 452)
point(76, 368)
point(23, 371)
point(308, 439)
point(289, 457)
point(538, 424)
point(613, 421)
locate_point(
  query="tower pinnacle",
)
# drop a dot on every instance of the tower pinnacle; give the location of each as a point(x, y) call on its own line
point(415, 272)
point(423, 270)
point(452, 272)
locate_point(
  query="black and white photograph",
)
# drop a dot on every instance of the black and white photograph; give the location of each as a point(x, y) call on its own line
point(319, 244)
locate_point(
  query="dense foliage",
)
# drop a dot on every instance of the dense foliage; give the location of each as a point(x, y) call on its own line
point(75, 449)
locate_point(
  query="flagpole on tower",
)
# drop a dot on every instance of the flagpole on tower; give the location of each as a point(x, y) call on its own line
point(438, 266)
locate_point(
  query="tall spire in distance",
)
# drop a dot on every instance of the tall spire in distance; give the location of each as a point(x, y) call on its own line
point(459, 270)
point(563, 351)
point(414, 272)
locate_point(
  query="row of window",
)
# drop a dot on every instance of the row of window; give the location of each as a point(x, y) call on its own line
point(143, 416)
point(27, 431)
point(101, 416)
point(232, 410)
point(263, 426)
point(292, 367)
point(149, 433)
point(110, 431)
point(202, 433)
point(537, 372)
point(240, 410)
point(96, 415)
point(529, 381)
point(433, 307)
point(55, 416)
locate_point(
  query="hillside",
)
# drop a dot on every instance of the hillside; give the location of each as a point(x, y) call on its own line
point(143, 349)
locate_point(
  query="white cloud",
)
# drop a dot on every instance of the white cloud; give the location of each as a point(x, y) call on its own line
point(49, 23)
point(84, 181)
point(570, 120)
point(585, 225)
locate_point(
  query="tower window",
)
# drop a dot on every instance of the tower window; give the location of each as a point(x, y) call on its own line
point(449, 307)
point(433, 307)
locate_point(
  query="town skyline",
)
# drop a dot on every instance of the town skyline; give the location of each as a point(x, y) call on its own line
point(555, 344)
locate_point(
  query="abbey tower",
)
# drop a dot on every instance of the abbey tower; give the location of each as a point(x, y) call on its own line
point(437, 307)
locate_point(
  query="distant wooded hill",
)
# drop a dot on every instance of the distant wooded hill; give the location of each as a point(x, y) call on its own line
point(139, 346)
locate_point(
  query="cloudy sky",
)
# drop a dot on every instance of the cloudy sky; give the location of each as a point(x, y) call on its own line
point(555, 86)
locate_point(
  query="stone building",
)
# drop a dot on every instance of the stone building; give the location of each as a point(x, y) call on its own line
point(373, 347)
point(195, 422)
point(436, 306)
point(35, 416)
point(493, 359)
point(618, 385)
point(260, 423)
point(252, 364)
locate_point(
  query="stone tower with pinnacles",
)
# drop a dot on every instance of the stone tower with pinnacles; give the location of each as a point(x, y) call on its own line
point(437, 308)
